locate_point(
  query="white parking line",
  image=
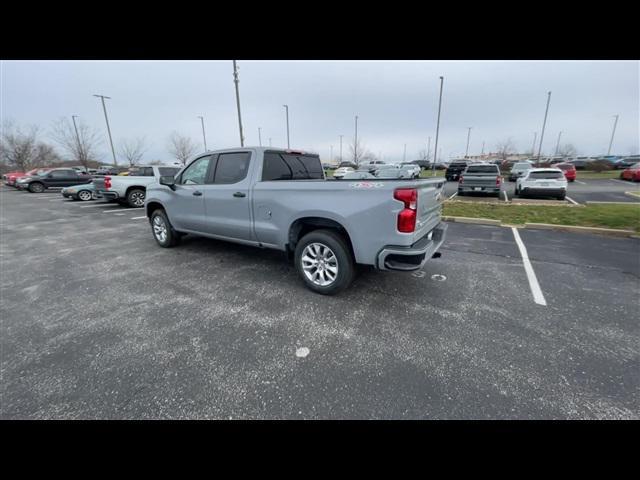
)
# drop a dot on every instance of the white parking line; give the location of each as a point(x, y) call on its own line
point(572, 200)
point(581, 183)
point(123, 209)
point(47, 197)
point(619, 181)
point(138, 218)
point(506, 198)
point(452, 196)
point(538, 297)
point(101, 205)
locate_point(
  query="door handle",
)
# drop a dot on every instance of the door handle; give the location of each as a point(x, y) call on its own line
point(239, 194)
point(197, 193)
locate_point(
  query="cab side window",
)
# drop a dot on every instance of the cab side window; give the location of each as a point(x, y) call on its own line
point(232, 167)
point(196, 173)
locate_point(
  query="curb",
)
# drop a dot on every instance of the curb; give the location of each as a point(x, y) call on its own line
point(633, 194)
point(614, 203)
point(477, 221)
point(571, 228)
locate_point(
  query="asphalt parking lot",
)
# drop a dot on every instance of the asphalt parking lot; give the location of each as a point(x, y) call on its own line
point(580, 191)
point(99, 322)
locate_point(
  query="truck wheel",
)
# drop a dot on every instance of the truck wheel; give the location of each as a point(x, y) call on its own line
point(324, 262)
point(135, 198)
point(36, 187)
point(162, 230)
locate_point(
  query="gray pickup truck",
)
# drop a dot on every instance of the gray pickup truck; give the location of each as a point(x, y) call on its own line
point(480, 178)
point(280, 199)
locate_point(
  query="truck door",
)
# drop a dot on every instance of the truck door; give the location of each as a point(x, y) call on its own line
point(186, 209)
point(226, 198)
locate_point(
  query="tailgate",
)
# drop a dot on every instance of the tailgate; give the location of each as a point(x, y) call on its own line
point(480, 180)
point(99, 183)
point(430, 199)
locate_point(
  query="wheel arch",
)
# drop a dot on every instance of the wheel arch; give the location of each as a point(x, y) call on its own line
point(303, 225)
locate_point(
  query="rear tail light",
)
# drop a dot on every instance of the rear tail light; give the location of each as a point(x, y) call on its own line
point(498, 180)
point(407, 216)
point(461, 179)
point(107, 182)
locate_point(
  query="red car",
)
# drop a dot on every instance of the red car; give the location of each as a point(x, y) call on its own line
point(632, 173)
point(13, 176)
point(7, 177)
point(569, 171)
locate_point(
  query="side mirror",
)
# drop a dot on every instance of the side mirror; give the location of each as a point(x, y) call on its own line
point(169, 181)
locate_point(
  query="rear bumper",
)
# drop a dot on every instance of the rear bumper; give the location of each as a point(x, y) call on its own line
point(543, 192)
point(481, 189)
point(107, 194)
point(393, 257)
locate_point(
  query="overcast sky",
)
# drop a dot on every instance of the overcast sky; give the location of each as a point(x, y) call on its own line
point(396, 102)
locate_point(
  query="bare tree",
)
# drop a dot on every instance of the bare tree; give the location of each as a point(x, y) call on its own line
point(504, 148)
point(81, 147)
point(360, 153)
point(567, 150)
point(21, 148)
point(181, 147)
point(133, 149)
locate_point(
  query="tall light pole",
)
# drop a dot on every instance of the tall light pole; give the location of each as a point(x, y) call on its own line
point(558, 143)
point(435, 149)
point(331, 155)
point(466, 153)
point(544, 123)
point(204, 137)
point(355, 145)
point(404, 155)
point(80, 152)
point(286, 107)
point(260, 136)
point(236, 81)
point(533, 148)
point(104, 108)
point(341, 147)
point(612, 134)
point(428, 149)
point(482, 152)
point(270, 142)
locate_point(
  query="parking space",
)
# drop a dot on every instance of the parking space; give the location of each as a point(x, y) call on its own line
point(99, 322)
point(580, 191)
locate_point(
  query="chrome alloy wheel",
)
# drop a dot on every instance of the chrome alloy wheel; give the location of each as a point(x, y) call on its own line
point(137, 198)
point(159, 229)
point(319, 264)
point(85, 195)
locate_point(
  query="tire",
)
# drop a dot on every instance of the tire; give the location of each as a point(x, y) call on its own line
point(561, 197)
point(460, 193)
point(162, 231)
point(135, 197)
point(36, 187)
point(515, 192)
point(324, 243)
point(84, 195)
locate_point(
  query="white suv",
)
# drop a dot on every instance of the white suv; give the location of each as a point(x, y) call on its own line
point(546, 182)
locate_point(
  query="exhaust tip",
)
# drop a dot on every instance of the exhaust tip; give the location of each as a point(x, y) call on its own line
point(436, 255)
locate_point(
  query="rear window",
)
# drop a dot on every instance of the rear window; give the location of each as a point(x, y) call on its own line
point(141, 172)
point(287, 166)
point(457, 165)
point(522, 166)
point(166, 171)
point(483, 169)
point(565, 167)
point(545, 175)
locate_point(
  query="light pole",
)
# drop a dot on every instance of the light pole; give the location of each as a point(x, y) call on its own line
point(341, 147)
point(533, 148)
point(204, 137)
point(331, 154)
point(260, 136)
point(482, 152)
point(435, 149)
point(544, 123)
point(355, 145)
point(270, 142)
point(286, 107)
point(80, 152)
point(558, 143)
point(104, 108)
point(236, 81)
point(428, 149)
point(612, 134)
point(466, 153)
point(404, 155)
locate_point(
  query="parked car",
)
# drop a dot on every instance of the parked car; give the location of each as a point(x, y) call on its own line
point(342, 171)
point(279, 199)
point(111, 170)
point(84, 192)
point(546, 182)
point(423, 164)
point(413, 167)
point(624, 163)
point(480, 178)
point(518, 169)
point(131, 189)
point(6, 176)
point(455, 169)
point(569, 170)
point(632, 173)
point(580, 164)
point(55, 177)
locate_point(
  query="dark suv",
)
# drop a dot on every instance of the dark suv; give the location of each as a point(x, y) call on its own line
point(57, 177)
point(455, 169)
